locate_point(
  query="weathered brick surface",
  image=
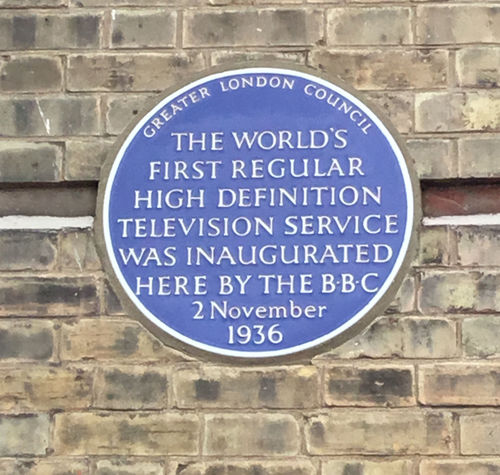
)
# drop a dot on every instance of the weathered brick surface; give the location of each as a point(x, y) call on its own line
point(27, 250)
point(32, 3)
point(123, 433)
point(457, 292)
point(120, 3)
point(49, 116)
point(433, 158)
point(31, 388)
point(396, 105)
point(460, 467)
point(458, 384)
point(22, 31)
point(84, 158)
point(48, 296)
point(22, 162)
point(77, 251)
point(404, 301)
point(125, 72)
point(397, 337)
point(112, 305)
point(132, 3)
point(107, 339)
point(122, 387)
point(481, 336)
point(48, 201)
point(30, 73)
point(479, 157)
point(459, 111)
point(252, 28)
point(221, 57)
point(369, 26)
point(128, 467)
point(390, 432)
point(385, 69)
point(397, 467)
point(251, 434)
point(480, 434)
point(369, 386)
point(30, 340)
point(435, 246)
point(24, 434)
point(144, 29)
point(464, 199)
point(292, 387)
point(236, 467)
point(453, 24)
point(478, 246)
point(479, 67)
point(51, 466)
point(120, 111)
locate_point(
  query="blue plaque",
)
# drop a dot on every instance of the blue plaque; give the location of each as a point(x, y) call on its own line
point(257, 212)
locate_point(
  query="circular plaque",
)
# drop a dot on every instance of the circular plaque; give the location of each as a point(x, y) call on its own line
point(257, 212)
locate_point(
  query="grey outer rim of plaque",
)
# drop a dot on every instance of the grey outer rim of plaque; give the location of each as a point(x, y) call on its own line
point(304, 355)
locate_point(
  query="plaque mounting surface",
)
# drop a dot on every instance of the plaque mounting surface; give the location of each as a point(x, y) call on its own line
point(257, 212)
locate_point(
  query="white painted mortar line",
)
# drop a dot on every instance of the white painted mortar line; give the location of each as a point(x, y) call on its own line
point(45, 222)
point(86, 222)
point(466, 220)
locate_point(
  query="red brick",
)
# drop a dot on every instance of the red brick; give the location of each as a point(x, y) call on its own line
point(461, 200)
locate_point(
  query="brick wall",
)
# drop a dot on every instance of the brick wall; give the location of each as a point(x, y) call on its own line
point(86, 390)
